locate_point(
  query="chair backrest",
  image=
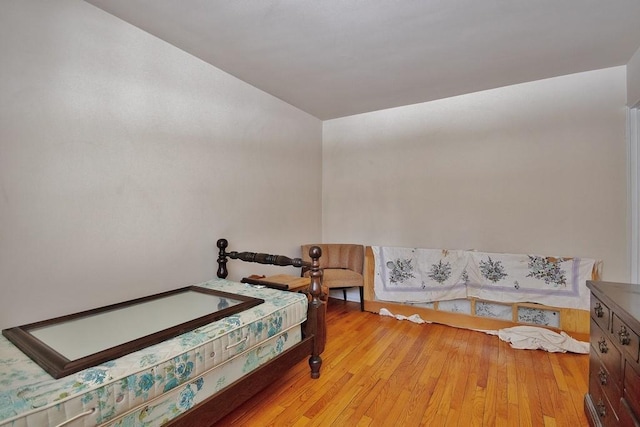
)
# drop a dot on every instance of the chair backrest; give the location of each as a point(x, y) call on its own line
point(338, 255)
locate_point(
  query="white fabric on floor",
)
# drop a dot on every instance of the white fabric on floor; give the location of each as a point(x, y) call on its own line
point(521, 337)
point(413, 318)
point(536, 338)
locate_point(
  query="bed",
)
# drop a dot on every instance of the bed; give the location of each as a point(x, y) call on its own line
point(192, 379)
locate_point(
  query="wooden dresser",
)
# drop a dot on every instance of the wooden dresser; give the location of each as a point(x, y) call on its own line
point(614, 366)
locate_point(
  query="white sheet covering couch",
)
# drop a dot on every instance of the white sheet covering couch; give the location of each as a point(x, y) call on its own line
point(513, 288)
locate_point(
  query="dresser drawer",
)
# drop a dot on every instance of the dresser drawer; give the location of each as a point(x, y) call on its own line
point(600, 312)
point(632, 387)
point(604, 412)
point(627, 338)
point(600, 377)
point(606, 351)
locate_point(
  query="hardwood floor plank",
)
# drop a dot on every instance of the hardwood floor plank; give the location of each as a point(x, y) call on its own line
point(467, 395)
point(380, 371)
point(513, 413)
point(460, 361)
point(365, 394)
point(301, 422)
point(403, 362)
point(383, 395)
point(544, 372)
point(364, 421)
point(491, 387)
point(574, 369)
point(502, 388)
point(438, 370)
point(409, 408)
point(524, 395)
point(453, 355)
point(416, 406)
point(565, 411)
point(558, 373)
point(328, 399)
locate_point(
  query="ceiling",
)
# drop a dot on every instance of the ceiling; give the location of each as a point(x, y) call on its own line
point(334, 58)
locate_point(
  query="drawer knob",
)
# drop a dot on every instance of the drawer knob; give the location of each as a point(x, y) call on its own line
point(623, 336)
point(601, 408)
point(602, 345)
point(603, 376)
point(598, 309)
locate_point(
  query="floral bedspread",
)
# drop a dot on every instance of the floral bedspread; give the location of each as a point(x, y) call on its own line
point(30, 396)
point(419, 275)
point(426, 275)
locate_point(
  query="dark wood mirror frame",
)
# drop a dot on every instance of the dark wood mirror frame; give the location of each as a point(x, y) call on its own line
point(59, 366)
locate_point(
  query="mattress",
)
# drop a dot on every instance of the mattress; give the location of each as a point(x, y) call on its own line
point(160, 381)
point(180, 399)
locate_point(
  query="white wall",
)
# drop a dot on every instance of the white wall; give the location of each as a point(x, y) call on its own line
point(633, 80)
point(532, 168)
point(123, 159)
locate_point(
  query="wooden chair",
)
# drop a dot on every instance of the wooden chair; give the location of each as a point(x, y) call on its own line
point(342, 265)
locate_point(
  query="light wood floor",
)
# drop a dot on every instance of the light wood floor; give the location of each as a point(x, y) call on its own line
point(379, 371)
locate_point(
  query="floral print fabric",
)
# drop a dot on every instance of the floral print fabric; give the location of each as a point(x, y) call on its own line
point(180, 399)
point(419, 275)
point(513, 278)
point(412, 275)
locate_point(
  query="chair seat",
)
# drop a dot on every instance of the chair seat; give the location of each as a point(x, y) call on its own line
point(341, 278)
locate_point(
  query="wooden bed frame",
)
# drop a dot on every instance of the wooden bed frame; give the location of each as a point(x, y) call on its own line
point(312, 344)
point(574, 322)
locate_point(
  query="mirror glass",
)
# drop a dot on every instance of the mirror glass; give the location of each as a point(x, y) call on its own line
point(91, 334)
point(68, 344)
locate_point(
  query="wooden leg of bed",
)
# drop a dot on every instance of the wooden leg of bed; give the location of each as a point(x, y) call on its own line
point(315, 362)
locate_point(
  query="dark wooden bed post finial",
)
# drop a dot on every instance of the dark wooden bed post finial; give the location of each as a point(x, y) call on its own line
point(222, 258)
point(317, 312)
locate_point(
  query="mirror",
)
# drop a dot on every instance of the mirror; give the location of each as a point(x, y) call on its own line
point(68, 344)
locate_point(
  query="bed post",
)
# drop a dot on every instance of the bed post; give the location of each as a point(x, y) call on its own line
point(317, 311)
point(222, 258)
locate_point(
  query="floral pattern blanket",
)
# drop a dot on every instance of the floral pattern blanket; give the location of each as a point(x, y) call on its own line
point(511, 278)
point(427, 275)
point(419, 275)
